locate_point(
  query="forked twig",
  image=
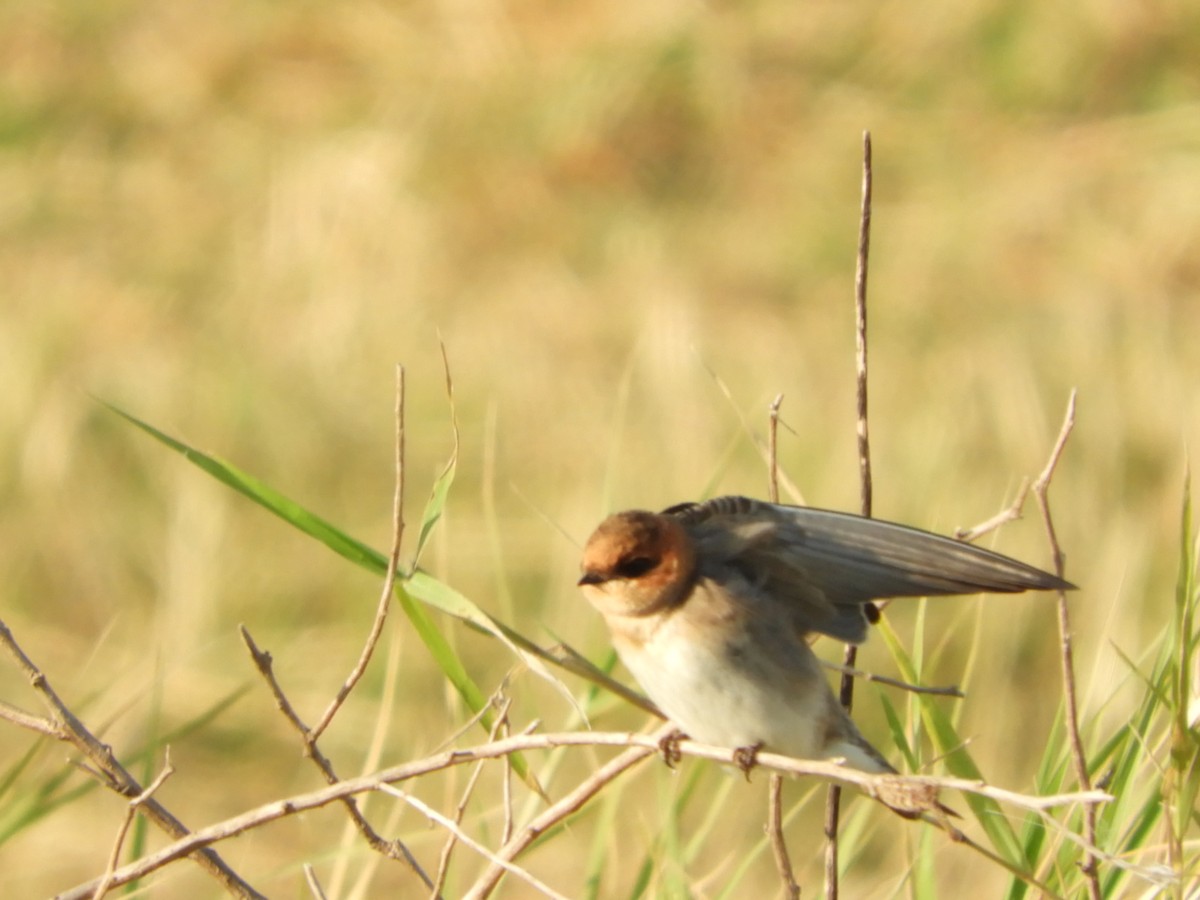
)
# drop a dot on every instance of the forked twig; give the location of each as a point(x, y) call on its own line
point(130, 813)
point(262, 660)
point(1010, 513)
point(453, 827)
point(66, 726)
point(1041, 487)
point(501, 723)
point(389, 581)
point(558, 811)
point(391, 849)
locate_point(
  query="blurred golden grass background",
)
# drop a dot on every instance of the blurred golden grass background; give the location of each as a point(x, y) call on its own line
point(232, 219)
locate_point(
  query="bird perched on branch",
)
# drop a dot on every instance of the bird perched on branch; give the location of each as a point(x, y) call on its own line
point(712, 605)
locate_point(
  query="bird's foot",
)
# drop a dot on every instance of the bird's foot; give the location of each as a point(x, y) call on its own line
point(746, 758)
point(668, 746)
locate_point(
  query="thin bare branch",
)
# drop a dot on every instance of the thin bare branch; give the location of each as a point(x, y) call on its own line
point(389, 581)
point(638, 746)
point(391, 849)
point(30, 722)
point(793, 491)
point(783, 862)
point(500, 723)
point(773, 449)
point(111, 773)
point(262, 660)
point(1041, 487)
point(850, 654)
point(131, 812)
point(314, 884)
point(465, 838)
point(573, 801)
point(1010, 513)
point(265, 663)
point(948, 691)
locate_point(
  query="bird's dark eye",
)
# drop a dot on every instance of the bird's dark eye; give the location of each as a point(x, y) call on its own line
point(635, 566)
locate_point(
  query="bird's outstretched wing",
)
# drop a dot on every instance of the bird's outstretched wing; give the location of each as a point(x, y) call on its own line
point(833, 563)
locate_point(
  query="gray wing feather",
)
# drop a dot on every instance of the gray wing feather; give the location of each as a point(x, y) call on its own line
point(849, 559)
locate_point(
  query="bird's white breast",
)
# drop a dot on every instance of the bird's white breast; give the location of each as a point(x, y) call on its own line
point(728, 691)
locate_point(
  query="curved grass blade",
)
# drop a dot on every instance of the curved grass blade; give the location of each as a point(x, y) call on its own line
point(417, 585)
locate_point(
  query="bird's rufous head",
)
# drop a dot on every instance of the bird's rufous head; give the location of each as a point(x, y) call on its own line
point(637, 563)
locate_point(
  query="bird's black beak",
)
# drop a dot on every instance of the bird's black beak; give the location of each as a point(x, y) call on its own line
point(590, 578)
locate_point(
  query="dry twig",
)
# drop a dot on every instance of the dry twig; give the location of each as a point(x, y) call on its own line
point(262, 660)
point(115, 857)
point(389, 581)
point(590, 786)
point(453, 827)
point(947, 691)
point(833, 800)
point(66, 726)
point(1041, 488)
point(314, 883)
point(1010, 513)
point(501, 723)
point(779, 850)
point(636, 746)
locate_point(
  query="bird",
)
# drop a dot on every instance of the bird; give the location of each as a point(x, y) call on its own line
point(712, 606)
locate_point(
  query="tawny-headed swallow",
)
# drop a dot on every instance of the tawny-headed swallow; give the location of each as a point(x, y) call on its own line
point(712, 606)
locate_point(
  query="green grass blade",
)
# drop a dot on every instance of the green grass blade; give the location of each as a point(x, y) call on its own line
point(956, 758)
point(436, 504)
point(419, 585)
point(44, 799)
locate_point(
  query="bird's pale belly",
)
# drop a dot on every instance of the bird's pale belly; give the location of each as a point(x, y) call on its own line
point(731, 698)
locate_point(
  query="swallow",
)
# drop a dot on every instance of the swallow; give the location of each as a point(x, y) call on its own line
point(712, 607)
